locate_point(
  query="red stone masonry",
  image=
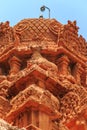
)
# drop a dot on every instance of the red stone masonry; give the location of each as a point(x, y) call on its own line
point(43, 75)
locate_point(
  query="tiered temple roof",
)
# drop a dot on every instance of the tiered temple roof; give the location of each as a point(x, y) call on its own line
point(43, 75)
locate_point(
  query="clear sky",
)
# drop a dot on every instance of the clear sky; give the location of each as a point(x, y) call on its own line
point(62, 10)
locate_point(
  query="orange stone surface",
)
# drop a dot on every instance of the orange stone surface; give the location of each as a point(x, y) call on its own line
point(43, 75)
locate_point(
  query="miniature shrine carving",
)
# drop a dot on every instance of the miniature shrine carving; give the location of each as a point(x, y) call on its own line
point(43, 76)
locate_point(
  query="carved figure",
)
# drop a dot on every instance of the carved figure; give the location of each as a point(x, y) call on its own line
point(43, 76)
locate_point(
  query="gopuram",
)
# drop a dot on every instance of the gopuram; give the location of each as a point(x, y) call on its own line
point(43, 76)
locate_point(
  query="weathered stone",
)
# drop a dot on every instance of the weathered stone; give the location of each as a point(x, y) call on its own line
point(43, 76)
point(5, 126)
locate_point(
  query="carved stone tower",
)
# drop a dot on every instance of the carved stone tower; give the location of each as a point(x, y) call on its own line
point(43, 75)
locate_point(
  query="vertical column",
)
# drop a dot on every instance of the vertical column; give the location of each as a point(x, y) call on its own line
point(25, 121)
point(63, 63)
point(1, 71)
point(39, 121)
point(35, 118)
point(77, 73)
point(44, 121)
point(14, 65)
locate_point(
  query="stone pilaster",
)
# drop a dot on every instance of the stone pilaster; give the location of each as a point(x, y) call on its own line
point(77, 73)
point(63, 63)
point(14, 65)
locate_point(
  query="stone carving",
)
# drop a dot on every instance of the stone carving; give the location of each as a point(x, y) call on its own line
point(6, 33)
point(69, 38)
point(62, 127)
point(82, 45)
point(43, 75)
point(59, 126)
point(42, 62)
point(55, 27)
point(14, 65)
point(70, 106)
point(5, 126)
point(33, 92)
point(31, 29)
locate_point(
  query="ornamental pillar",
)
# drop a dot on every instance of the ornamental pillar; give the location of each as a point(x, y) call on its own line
point(77, 73)
point(14, 65)
point(63, 65)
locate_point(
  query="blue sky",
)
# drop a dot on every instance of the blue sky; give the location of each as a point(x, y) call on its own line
point(62, 10)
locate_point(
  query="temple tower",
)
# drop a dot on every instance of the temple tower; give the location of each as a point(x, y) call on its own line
point(43, 80)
